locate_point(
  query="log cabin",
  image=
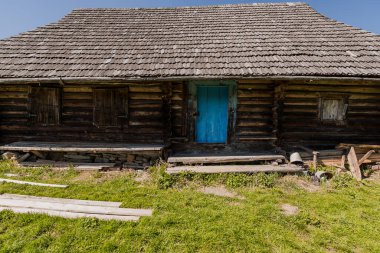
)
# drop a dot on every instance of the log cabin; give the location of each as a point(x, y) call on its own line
point(245, 77)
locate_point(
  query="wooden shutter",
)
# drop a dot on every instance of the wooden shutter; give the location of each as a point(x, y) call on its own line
point(333, 110)
point(121, 104)
point(110, 107)
point(45, 109)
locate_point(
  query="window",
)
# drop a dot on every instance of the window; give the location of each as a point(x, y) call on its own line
point(333, 110)
point(110, 107)
point(45, 106)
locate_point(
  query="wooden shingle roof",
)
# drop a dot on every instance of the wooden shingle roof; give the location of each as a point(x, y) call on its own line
point(246, 40)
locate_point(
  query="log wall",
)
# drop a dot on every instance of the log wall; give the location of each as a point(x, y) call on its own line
point(145, 124)
point(300, 121)
point(266, 110)
point(254, 116)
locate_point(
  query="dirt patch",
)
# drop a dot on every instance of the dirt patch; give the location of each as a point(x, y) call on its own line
point(289, 210)
point(299, 182)
point(374, 176)
point(99, 176)
point(220, 191)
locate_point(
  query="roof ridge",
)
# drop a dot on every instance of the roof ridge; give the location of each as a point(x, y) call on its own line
point(200, 6)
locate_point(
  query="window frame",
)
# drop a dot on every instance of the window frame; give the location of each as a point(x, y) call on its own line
point(343, 98)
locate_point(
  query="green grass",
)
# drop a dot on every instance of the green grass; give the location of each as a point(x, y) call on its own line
point(341, 217)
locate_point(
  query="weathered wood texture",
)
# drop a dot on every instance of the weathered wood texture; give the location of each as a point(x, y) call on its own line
point(235, 169)
point(287, 111)
point(300, 119)
point(143, 119)
point(179, 110)
point(209, 159)
point(254, 118)
point(61, 200)
point(5, 180)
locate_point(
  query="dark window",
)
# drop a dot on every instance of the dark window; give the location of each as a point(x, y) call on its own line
point(45, 107)
point(333, 110)
point(110, 107)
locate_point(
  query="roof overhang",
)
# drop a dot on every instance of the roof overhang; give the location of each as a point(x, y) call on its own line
point(88, 80)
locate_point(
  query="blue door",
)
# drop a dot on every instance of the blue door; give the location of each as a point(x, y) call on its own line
point(212, 120)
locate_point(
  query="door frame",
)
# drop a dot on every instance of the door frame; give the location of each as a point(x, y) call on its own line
point(193, 103)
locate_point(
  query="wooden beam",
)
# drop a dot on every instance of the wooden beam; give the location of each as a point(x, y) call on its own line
point(61, 200)
point(361, 146)
point(223, 159)
point(354, 165)
point(67, 207)
point(32, 183)
point(23, 157)
point(38, 154)
point(315, 159)
point(71, 215)
point(365, 157)
point(30, 146)
point(234, 169)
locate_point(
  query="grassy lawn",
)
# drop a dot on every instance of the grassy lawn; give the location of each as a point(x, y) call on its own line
point(341, 216)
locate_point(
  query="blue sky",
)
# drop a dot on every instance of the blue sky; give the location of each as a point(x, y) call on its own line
point(22, 15)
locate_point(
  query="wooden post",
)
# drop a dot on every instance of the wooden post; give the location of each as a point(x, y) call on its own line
point(315, 159)
point(277, 111)
point(343, 162)
point(354, 165)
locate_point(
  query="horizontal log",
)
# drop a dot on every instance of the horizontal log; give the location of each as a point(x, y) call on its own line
point(336, 88)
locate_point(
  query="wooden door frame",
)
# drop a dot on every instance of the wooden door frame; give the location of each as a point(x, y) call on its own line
point(193, 102)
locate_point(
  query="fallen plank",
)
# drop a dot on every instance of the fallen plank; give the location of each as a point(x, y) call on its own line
point(223, 159)
point(32, 183)
point(235, 169)
point(38, 154)
point(365, 157)
point(70, 214)
point(67, 207)
point(23, 158)
point(61, 200)
point(354, 165)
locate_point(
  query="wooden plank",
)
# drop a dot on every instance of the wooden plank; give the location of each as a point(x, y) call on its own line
point(234, 169)
point(38, 154)
point(357, 146)
point(61, 200)
point(223, 159)
point(365, 157)
point(354, 165)
point(26, 146)
point(32, 183)
point(23, 157)
point(67, 207)
point(71, 215)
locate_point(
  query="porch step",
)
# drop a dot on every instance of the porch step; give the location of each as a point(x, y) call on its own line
point(235, 169)
point(27, 146)
point(204, 159)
